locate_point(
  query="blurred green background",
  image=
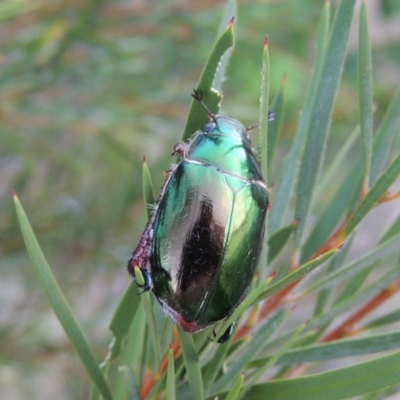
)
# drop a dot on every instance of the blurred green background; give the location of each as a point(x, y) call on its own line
point(87, 89)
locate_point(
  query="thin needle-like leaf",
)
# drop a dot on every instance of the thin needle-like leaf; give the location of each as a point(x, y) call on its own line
point(59, 303)
point(170, 392)
point(262, 146)
point(374, 195)
point(320, 115)
point(338, 384)
point(192, 365)
point(148, 192)
point(151, 322)
point(197, 117)
point(365, 92)
point(287, 181)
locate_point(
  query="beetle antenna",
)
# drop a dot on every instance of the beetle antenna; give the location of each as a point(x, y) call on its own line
point(198, 95)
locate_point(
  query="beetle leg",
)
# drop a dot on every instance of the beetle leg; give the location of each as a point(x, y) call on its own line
point(179, 149)
point(226, 335)
point(141, 255)
point(148, 282)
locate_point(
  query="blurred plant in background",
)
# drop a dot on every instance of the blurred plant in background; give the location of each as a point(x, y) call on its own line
point(87, 88)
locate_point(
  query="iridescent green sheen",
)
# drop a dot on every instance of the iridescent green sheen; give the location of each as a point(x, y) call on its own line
point(208, 227)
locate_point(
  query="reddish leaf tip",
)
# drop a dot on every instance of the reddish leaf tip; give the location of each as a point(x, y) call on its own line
point(144, 159)
point(231, 22)
point(14, 193)
point(266, 41)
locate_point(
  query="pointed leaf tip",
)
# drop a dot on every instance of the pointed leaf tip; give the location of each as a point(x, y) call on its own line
point(231, 22)
point(266, 41)
point(144, 159)
point(14, 193)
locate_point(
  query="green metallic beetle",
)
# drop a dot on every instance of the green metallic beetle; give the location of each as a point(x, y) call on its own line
point(201, 246)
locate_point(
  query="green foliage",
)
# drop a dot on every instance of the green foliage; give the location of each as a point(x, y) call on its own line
point(319, 209)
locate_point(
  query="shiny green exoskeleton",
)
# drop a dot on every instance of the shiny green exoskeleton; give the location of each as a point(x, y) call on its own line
point(200, 249)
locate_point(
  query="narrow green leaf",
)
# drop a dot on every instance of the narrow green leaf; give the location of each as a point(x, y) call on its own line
point(59, 303)
point(230, 12)
point(266, 289)
point(265, 367)
point(392, 231)
point(297, 274)
point(252, 348)
point(385, 138)
point(170, 391)
point(122, 319)
point(336, 166)
point(340, 205)
point(336, 263)
point(374, 195)
point(151, 322)
point(386, 319)
point(338, 384)
point(214, 366)
point(358, 299)
point(192, 365)
point(275, 126)
point(337, 349)
point(197, 117)
point(349, 270)
point(237, 386)
point(133, 391)
point(320, 115)
point(287, 180)
point(148, 192)
point(278, 240)
point(262, 147)
point(365, 91)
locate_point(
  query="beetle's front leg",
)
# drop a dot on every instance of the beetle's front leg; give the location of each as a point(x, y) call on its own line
point(140, 258)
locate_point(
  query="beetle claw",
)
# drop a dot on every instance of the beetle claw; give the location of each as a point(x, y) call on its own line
point(148, 283)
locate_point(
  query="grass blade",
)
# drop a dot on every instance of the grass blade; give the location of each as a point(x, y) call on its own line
point(192, 365)
point(148, 192)
point(321, 112)
point(365, 92)
point(151, 321)
point(266, 290)
point(59, 303)
point(337, 349)
point(385, 138)
point(253, 347)
point(234, 392)
point(122, 320)
point(274, 127)
point(278, 240)
point(170, 391)
point(341, 204)
point(288, 178)
point(338, 384)
point(374, 195)
point(349, 270)
point(230, 12)
point(262, 146)
point(197, 117)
